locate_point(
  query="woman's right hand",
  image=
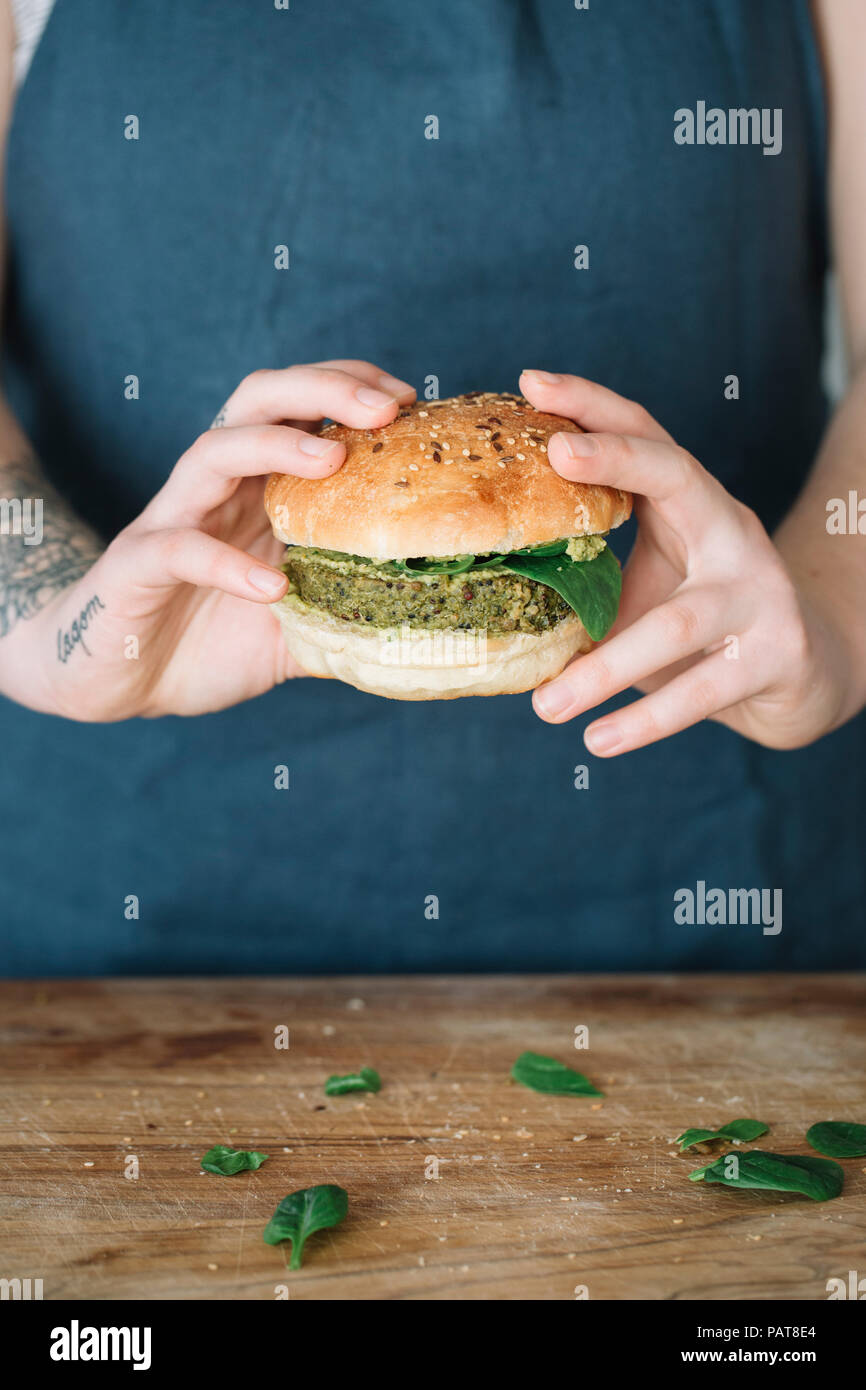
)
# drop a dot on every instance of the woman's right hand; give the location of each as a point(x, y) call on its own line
point(173, 618)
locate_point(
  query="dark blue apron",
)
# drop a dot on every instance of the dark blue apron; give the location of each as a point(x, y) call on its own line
point(451, 258)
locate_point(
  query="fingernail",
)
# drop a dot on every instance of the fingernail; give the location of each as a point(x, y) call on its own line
point(550, 378)
point(552, 699)
point(395, 387)
point(601, 738)
point(374, 399)
point(580, 446)
point(312, 444)
point(266, 581)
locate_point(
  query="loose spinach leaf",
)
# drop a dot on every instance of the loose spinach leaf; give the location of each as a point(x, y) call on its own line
point(364, 1080)
point(838, 1138)
point(554, 1078)
point(590, 587)
point(301, 1213)
point(225, 1161)
point(744, 1130)
point(817, 1178)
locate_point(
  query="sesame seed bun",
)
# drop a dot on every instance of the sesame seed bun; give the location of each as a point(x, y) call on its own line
point(468, 474)
point(440, 669)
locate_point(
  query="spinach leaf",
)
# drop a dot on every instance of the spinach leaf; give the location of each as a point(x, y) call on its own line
point(744, 1130)
point(553, 1078)
point(817, 1178)
point(487, 562)
point(364, 1080)
point(301, 1213)
point(838, 1138)
point(590, 587)
point(225, 1161)
point(422, 566)
point(551, 548)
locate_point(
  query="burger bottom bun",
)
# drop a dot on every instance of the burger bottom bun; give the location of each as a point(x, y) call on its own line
point(419, 664)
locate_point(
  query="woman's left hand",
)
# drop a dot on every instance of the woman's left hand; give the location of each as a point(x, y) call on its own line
point(712, 624)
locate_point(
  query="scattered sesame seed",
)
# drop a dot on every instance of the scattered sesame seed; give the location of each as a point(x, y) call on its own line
point(402, 482)
point(446, 446)
point(466, 454)
point(414, 467)
point(476, 475)
point(423, 414)
point(510, 441)
point(377, 447)
point(522, 458)
point(475, 458)
point(437, 457)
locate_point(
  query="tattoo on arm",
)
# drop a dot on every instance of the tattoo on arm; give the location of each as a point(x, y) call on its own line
point(74, 635)
point(37, 563)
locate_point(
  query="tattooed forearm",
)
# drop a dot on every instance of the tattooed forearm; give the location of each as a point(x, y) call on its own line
point(37, 563)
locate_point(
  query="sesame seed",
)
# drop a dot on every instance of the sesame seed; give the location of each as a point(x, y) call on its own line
point(476, 475)
point(466, 454)
point(437, 457)
point(402, 482)
point(522, 458)
point(510, 441)
point(377, 447)
point(414, 467)
point(500, 463)
point(423, 414)
point(446, 446)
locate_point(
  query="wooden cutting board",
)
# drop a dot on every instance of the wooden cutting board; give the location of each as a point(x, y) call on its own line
point(536, 1196)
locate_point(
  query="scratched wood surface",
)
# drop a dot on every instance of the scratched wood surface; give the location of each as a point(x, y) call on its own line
point(536, 1195)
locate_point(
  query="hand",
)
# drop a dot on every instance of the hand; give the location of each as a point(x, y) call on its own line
point(711, 624)
point(173, 617)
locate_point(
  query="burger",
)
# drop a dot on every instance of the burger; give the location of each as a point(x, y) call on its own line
point(446, 557)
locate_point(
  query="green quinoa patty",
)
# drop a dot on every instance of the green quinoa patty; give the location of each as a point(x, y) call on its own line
point(353, 590)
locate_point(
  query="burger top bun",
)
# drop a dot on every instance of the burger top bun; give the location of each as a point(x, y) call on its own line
point(468, 474)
